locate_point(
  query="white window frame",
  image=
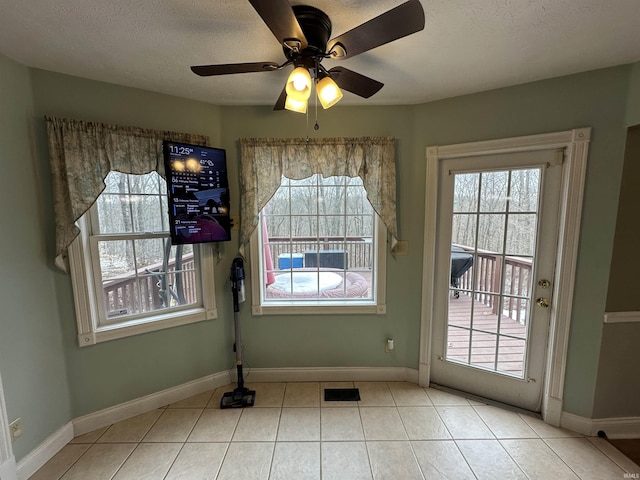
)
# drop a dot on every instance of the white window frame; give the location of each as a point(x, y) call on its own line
point(376, 305)
point(85, 279)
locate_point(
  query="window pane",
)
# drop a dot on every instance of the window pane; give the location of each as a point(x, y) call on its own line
point(304, 226)
point(148, 214)
point(331, 200)
point(332, 226)
point(149, 254)
point(359, 226)
point(140, 275)
point(116, 182)
point(304, 201)
point(116, 258)
point(136, 277)
point(319, 239)
point(278, 226)
point(148, 183)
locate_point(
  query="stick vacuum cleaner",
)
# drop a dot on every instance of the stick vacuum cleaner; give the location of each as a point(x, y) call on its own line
point(241, 396)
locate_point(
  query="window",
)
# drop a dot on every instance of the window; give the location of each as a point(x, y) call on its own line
point(127, 276)
point(318, 250)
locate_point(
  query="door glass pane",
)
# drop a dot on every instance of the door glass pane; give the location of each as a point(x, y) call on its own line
point(491, 232)
point(464, 229)
point(517, 276)
point(511, 357)
point(483, 349)
point(521, 234)
point(525, 190)
point(493, 195)
point(465, 197)
point(494, 231)
point(515, 313)
point(458, 344)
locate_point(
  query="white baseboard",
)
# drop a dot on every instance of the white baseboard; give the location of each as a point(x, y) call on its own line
point(622, 317)
point(8, 470)
point(330, 374)
point(622, 427)
point(43, 453)
point(117, 413)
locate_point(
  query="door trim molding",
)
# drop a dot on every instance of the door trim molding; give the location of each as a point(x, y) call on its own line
point(8, 469)
point(576, 145)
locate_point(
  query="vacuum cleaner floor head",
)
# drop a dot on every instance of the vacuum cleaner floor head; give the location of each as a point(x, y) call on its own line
point(239, 398)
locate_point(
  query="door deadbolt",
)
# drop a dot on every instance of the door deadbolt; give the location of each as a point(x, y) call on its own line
point(542, 302)
point(544, 283)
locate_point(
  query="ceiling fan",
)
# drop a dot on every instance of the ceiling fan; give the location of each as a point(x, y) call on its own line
point(304, 33)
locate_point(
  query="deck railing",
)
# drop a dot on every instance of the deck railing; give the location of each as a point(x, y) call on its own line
point(488, 268)
point(358, 249)
point(150, 288)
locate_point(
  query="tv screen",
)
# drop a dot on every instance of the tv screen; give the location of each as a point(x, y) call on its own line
point(198, 193)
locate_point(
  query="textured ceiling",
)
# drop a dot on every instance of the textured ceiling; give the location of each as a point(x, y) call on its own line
point(467, 45)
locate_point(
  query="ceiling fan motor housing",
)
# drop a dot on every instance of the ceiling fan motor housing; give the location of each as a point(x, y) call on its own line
point(316, 26)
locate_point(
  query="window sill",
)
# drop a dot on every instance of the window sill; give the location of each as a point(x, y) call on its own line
point(296, 308)
point(146, 325)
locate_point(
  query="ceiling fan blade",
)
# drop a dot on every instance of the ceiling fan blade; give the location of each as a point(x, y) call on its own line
point(229, 68)
point(396, 23)
point(279, 17)
point(281, 99)
point(354, 82)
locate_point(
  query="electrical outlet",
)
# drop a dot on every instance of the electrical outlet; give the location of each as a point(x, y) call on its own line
point(235, 220)
point(15, 429)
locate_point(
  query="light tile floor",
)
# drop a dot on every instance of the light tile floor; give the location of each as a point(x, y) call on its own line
point(397, 431)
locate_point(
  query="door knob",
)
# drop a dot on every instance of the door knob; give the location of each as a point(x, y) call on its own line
point(542, 302)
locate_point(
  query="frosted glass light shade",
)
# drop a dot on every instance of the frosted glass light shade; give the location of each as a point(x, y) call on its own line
point(294, 105)
point(299, 84)
point(328, 92)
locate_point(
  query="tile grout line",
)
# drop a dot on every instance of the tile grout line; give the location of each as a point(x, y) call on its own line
point(174, 461)
point(413, 452)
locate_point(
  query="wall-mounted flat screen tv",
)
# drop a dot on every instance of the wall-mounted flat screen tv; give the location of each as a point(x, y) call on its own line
point(198, 193)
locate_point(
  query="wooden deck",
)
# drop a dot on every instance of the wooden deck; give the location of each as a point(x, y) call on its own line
point(508, 337)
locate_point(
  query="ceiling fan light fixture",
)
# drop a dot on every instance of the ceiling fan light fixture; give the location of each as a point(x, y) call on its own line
point(328, 92)
point(294, 105)
point(299, 84)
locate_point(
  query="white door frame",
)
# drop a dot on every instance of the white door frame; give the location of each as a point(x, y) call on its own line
point(576, 145)
point(8, 470)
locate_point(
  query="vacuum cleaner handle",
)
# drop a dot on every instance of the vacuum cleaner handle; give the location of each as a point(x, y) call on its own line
point(237, 282)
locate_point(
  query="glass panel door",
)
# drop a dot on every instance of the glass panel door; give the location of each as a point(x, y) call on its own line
point(496, 239)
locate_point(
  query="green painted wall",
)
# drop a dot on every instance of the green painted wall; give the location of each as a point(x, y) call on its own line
point(596, 99)
point(349, 340)
point(616, 396)
point(117, 371)
point(633, 101)
point(114, 372)
point(32, 355)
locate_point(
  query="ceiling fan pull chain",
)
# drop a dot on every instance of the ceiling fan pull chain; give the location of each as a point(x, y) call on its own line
point(316, 126)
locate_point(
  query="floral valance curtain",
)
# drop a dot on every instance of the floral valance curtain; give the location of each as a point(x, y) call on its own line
point(263, 161)
point(83, 153)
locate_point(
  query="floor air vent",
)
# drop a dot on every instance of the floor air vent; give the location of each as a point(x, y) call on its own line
point(341, 395)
